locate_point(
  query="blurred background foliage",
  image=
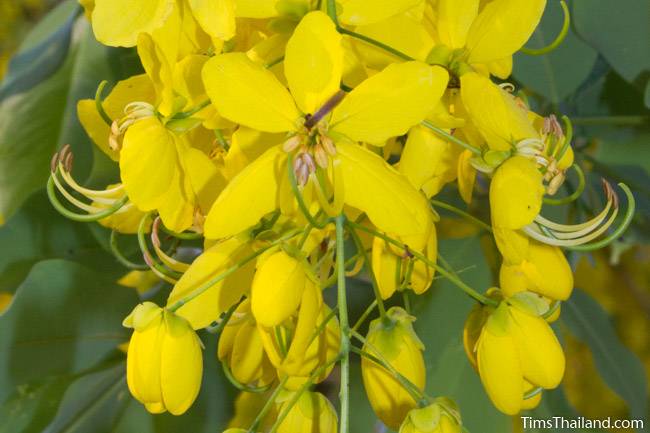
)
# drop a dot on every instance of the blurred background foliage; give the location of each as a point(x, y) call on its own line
point(61, 367)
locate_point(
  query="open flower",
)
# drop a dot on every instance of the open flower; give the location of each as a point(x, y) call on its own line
point(322, 124)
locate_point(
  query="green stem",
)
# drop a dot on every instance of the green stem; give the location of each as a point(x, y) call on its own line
point(462, 213)
point(568, 137)
point(193, 111)
point(188, 236)
point(272, 63)
point(448, 136)
point(331, 11)
point(558, 40)
point(268, 405)
point(344, 393)
point(241, 386)
point(455, 280)
point(121, 258)
point(199, 290)
point(368, 265)
point(375, 42)
point(364, 316)
point(98, 103)
point(218, 327)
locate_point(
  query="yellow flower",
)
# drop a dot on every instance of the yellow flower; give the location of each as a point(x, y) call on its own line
point(246, 93)
point(517, 349)
point(120, 22)
point(516, 192)
point(241, 348)
point(247, 406)
point(395, 343)
point(313, 412)
point(164, 362)
point(219, 297)
point(545, 271)
point(362, 12)
point(438, 417)
point(393, 270)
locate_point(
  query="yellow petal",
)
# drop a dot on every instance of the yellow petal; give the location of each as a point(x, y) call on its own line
point(248, 197)
point(148, 161)
point(546, 272)
point(256, 8)
point(516, 193)
point(501, 68)
point(246, 146)
point(187, 79)
point(181, 365)
point(143, 362)
point(495, 113)
point(159, 70)
point(314, 61)
point(429, 159)
point(499, 365)
point(390, 102)
point(136, 88)
point(247, 93)
point(512, 244)
point(386, 196)
point(422, 275)
point(119, 22)
point(177, 208)
point(412, 39)
point(454, 20)
point(362, 12)
point(277, 289)
point(542, 359)
point(247, 354)
point(502, 27)
point(205, 179)
point(216, 17)
point(466, 176)
point(310, 306)
point(384, 265)
point(208, 306)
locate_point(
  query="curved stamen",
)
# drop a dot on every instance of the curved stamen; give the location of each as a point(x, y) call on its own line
point(168, 261)
point(98, 103)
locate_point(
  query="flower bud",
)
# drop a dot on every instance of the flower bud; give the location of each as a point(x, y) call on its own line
point(247, 406)
point(241, 349)
point(313, 412)
point(277, 288)
point(435, 418)
point(164, 362)
point(393, 341)
point(516, 352)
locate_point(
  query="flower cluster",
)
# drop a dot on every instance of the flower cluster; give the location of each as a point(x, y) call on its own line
point(267, 139)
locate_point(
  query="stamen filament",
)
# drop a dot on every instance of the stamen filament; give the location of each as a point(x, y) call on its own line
point(559, 38)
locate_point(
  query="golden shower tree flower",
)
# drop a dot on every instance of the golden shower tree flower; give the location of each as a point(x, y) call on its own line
point(164, 363)
point(323, 136)
point(438, 417)
point(393, 341)
point(516, 352)
point(313, 412)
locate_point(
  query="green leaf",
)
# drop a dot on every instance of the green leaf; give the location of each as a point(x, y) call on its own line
point(32, 65)
point(32, 405)
point(646, 97)
point(37, 232)
point(619, 367)
point(34, 123)
point(63, 319)
point(618, 30)
point(441, 316)
point(558, 74)
point(93, 404)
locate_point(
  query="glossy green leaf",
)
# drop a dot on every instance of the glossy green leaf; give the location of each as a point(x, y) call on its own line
point(618, 30)
point(64, 318)
point(550, 75)
point(618, 366)
point(35, 62)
